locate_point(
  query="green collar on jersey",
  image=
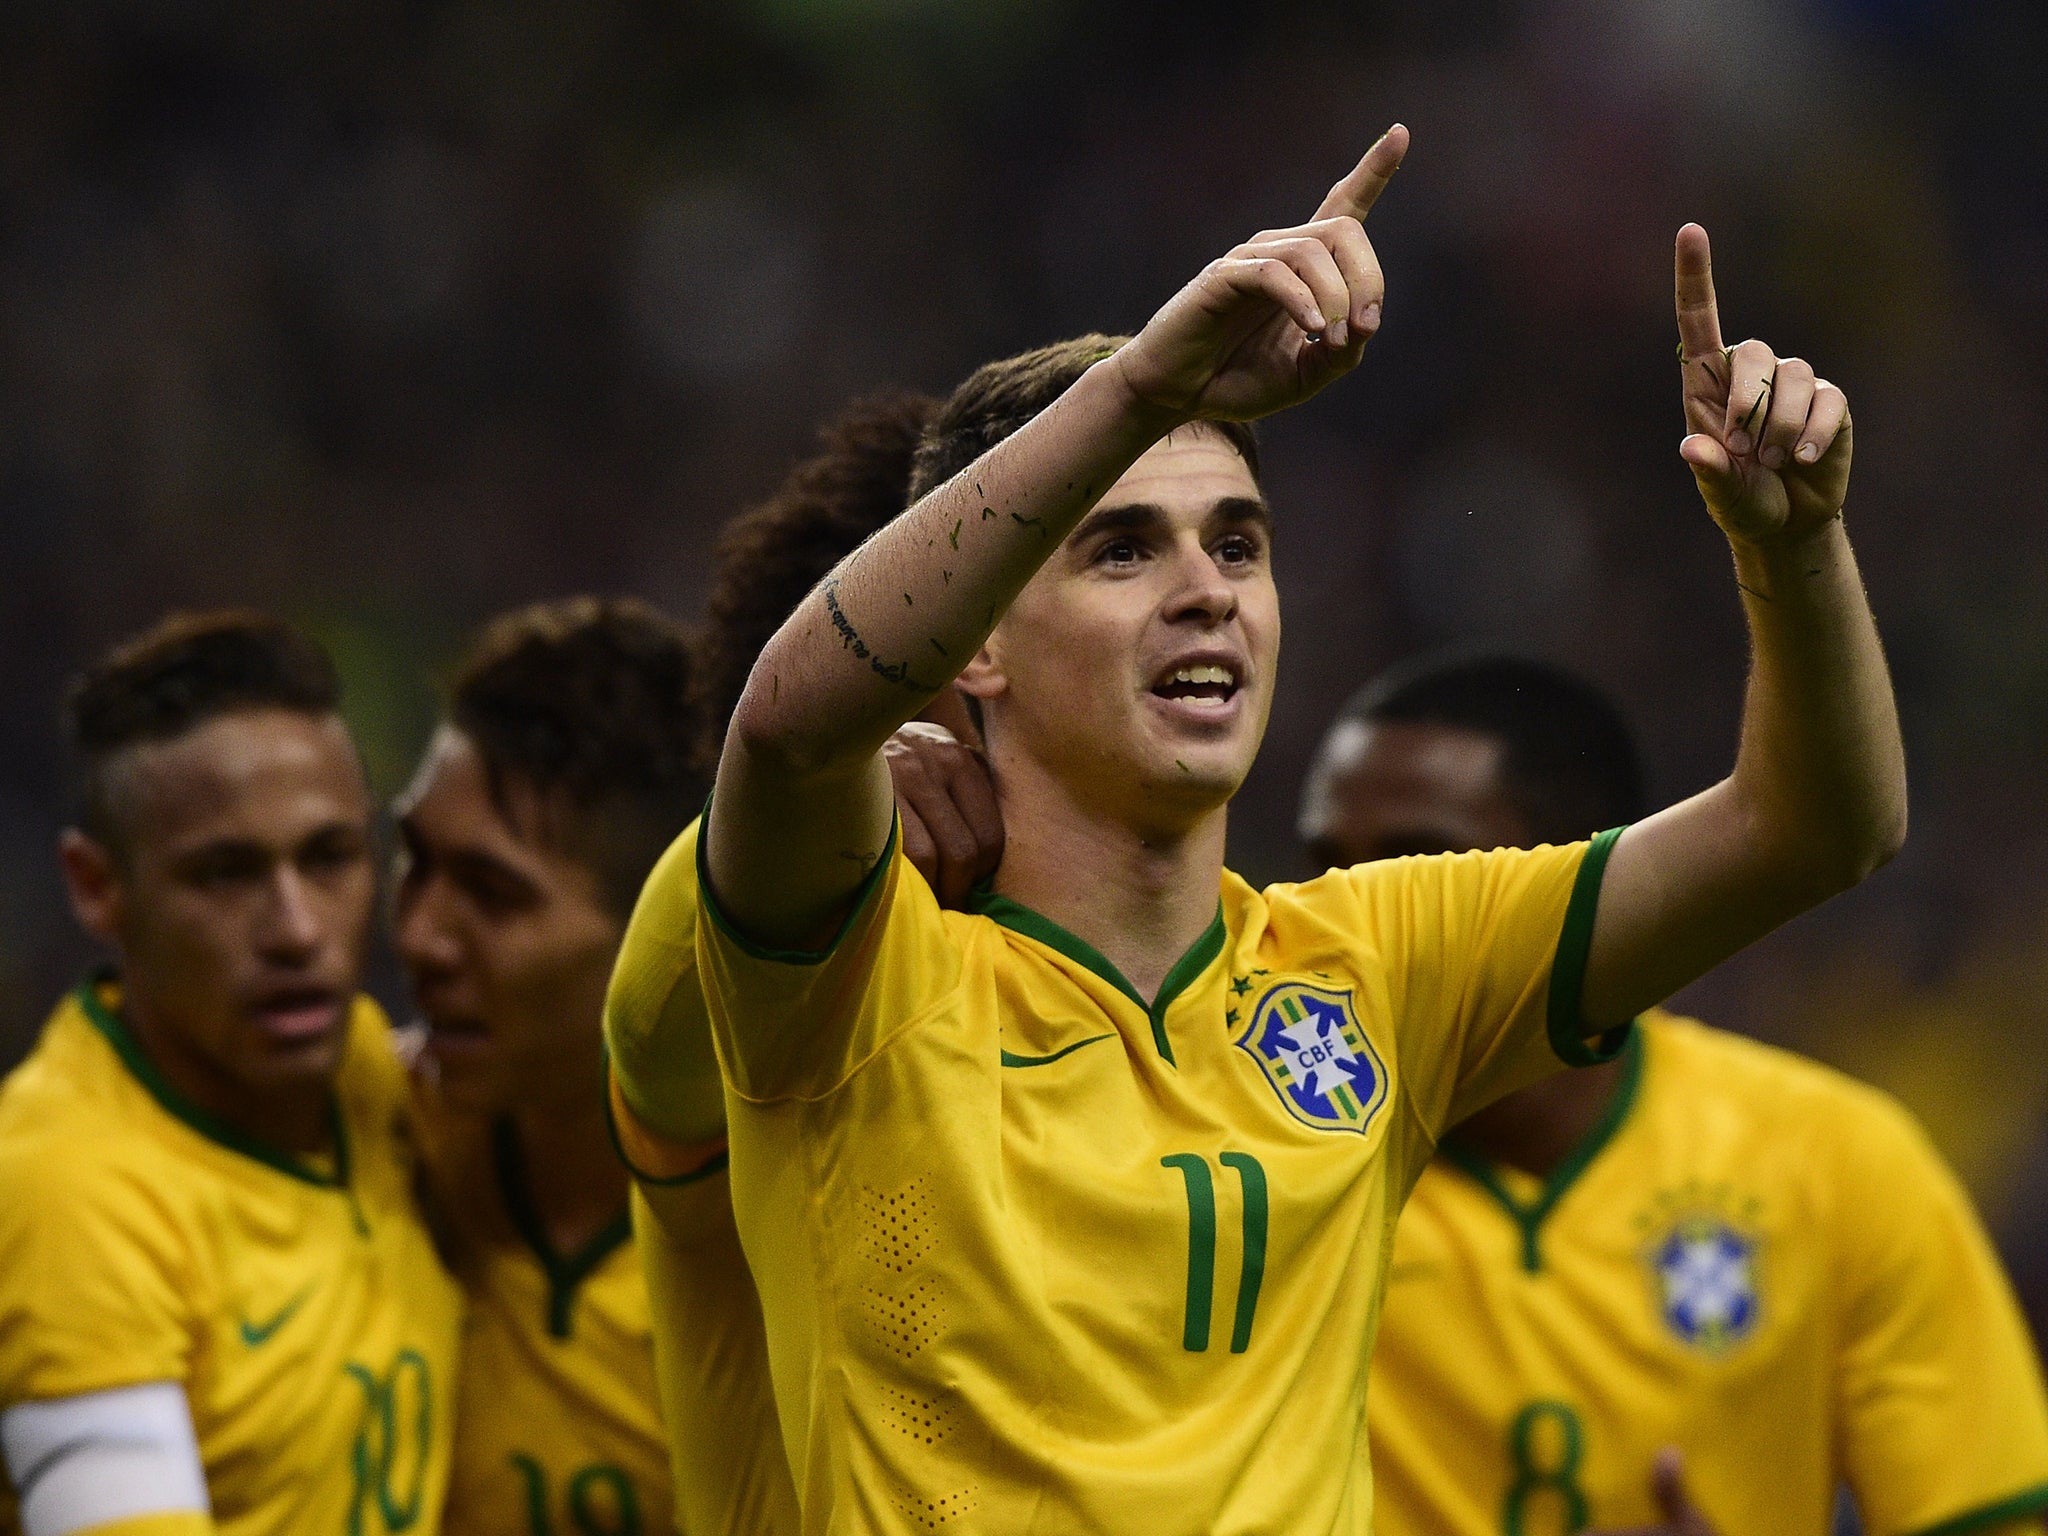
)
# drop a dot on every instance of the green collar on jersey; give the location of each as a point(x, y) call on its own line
point(1019, 918)
point(1530, 1217)
point(565, 1272)
point(2018, 1507)
point(211, 1126)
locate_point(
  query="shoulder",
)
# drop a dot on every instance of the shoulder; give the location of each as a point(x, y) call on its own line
point(70, 1068)
point(1772, 1080)
point(69, 1117)
point(1848, 1132)
point(77, 1175)
point(1429, 890)
point(664, 920)
point(1392, 879)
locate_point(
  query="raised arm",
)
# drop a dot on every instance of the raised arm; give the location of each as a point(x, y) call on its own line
point(1817, 799)
point(801, 810)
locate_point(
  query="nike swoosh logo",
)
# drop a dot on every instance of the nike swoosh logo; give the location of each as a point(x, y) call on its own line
point(254, 1334)
point(1010, 1059)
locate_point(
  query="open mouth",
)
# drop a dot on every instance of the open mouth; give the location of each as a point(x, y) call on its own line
point(298, 1014)
point(1206, 683)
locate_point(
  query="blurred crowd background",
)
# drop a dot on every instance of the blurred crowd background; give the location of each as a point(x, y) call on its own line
point(387, 314)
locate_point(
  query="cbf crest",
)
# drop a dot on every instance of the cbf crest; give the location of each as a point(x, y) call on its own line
point(1309, 1043)
point(1705, 1270)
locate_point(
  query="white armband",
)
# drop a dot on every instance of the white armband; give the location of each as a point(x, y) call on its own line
point(78, 1462)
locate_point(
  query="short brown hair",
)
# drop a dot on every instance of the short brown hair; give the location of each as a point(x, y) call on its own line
point(1000, 397)
point(587, 702)
point(771, 555)
point(177, 675)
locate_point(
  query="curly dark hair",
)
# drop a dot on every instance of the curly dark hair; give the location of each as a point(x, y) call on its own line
point(1000, 397)
point(771, 555)
point(587, 701)
point(174, 677)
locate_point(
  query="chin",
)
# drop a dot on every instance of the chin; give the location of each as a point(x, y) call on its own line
point(300, 1062)
point(1194, 780)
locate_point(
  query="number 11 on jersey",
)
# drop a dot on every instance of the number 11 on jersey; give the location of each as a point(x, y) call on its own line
point(1201, 1192)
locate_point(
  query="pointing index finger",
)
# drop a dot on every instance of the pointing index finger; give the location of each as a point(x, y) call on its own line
point(1699, 319)
point(1354, 196)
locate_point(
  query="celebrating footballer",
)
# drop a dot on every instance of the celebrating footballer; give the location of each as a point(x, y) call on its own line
point(1071, 1211)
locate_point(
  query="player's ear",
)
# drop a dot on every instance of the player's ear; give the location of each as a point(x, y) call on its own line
point(92, 879)
point(982, 679)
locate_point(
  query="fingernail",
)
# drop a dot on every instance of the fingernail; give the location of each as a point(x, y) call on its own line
point(1738, 442)
point(1370, 320)
point(1807, 453)
point(1773, 456)
point(1337, 334)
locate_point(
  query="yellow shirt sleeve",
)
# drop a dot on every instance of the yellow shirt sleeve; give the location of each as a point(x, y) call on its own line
point(664, 1071)
point(179, 1522)
point(730, 1470)
point(96, 1288)
point(789, 1023)
point(1944, 1414)
point(1484, 955)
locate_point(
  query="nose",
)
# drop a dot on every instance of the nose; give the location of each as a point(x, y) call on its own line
point(424, 942)
point(294, 926)
point(1201, 593)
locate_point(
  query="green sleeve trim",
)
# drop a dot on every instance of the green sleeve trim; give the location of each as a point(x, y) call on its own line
point(870, 883)
point(1566, 1020)
point(2033, 1502)
point(716, 1163)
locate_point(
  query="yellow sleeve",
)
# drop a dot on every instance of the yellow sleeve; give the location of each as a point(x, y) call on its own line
point(793, 1023)
point(179, 1522)
point(1484, 956)
point(726, 1453)
point(665, 1077)
point(1945, 1421)
point(96, 1282)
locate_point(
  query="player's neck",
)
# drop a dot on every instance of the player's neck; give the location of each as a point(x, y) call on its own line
point(1536, 1129)
point(573, 1174)
point(1142, 898)
point(291, 1117)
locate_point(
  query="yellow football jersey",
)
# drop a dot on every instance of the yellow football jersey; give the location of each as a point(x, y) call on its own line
point(711, 1351)
point(1036, 1256)
point(557, 1427)
point(1754, 1259)
point(300, 1303)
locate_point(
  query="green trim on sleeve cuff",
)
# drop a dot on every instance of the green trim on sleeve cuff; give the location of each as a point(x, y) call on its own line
point(1566, 1021)
point(718, 1162)
point(870, 883)
point(2033, 1502)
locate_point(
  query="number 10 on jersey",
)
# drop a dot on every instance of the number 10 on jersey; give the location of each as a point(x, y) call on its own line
point(1200, 1185)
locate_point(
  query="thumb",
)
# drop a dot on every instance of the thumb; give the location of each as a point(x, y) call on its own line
point(1719, 480)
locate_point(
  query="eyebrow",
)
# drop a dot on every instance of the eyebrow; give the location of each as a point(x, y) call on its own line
point(1131, 516)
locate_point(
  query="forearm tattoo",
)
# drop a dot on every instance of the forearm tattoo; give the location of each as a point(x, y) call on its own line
point(897, 672)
